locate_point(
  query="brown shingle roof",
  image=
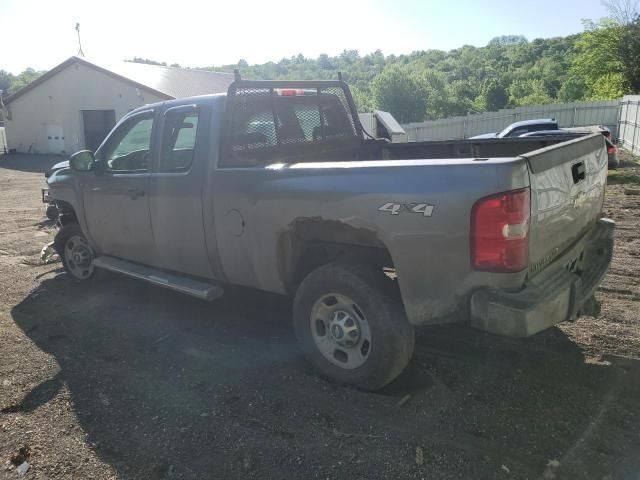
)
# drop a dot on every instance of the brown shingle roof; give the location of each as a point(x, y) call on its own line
point(166, 82)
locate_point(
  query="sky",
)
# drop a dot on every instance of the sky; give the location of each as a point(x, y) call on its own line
point(41, 34)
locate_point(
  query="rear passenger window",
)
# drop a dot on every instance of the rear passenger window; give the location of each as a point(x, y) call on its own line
point(260, 129)
point(274, 124)
point(309, 118)
point(178, 139)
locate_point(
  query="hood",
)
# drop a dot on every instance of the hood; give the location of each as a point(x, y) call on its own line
point(56, 167)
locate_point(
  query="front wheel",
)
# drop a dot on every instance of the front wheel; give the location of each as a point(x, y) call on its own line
point(74, 250)
point(350, 327)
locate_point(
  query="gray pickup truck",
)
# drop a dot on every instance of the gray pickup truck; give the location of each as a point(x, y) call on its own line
point(274, 186)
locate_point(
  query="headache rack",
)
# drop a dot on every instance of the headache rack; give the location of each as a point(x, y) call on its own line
point(267, 119)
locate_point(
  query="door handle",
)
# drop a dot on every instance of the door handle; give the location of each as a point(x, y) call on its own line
point(134, 193)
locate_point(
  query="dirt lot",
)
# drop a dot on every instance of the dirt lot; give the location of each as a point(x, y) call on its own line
point(118, 379)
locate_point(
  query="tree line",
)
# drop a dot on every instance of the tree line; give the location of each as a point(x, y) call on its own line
point(601, 63)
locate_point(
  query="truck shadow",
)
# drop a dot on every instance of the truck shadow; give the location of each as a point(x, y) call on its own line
point(31, 162)
point(166, 386)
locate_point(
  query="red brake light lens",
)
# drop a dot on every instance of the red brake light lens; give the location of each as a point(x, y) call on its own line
point(294, 92)
point(611, 149)
point(288, 92)
point(499, 232)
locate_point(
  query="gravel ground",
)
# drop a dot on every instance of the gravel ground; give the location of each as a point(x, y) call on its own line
point(117, 379)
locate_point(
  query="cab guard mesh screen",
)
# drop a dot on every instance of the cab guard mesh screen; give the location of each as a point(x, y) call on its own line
point(267, 119)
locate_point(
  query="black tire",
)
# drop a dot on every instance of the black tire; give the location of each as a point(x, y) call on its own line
point(392, 337)
point(614, 162)
point(52, 212)
point(62, 238)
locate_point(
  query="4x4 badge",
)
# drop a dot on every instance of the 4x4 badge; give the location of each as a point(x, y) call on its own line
point(425, 209)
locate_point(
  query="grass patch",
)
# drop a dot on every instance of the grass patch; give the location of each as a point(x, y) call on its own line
point(622, 177)
point(627, 158)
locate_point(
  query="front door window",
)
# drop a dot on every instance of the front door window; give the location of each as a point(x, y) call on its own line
point(127, 150)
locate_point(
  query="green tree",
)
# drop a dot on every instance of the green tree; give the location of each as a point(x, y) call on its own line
point(24, 78)
point(397, 91)
point(451, 82)
point(324, 62)
point(434, 86)
point(350, 56)
point(574, 88)
point(623, 12)
point(596, 62)
point(608, 86)
point(6, 79)
point(529, 92)
point(493, 96)
point(363, 100)
point(146, 61)
point(508, 40)
point(629, 53)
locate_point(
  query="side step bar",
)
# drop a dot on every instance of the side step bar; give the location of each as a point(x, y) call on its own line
point(179, 283)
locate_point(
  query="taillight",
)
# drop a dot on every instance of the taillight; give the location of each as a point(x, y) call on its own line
point(611, 149)
point(499, 231)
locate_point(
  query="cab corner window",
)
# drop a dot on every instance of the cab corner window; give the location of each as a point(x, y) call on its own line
point(128, 149)
point(178, 140)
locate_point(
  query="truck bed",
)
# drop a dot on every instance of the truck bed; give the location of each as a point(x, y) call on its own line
point(430, 252)
point(468, 148)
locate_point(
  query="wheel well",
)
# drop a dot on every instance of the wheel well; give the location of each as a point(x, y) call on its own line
point(66, 213)
point(311, 243)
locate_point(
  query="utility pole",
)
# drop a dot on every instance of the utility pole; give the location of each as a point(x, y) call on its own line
point(80, 52)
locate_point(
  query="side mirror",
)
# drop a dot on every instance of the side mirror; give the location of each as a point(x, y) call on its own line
point(82, 161)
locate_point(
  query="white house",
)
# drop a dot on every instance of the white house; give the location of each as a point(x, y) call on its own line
point(74, 105)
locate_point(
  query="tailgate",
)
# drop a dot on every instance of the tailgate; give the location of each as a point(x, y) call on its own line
point(567, 191)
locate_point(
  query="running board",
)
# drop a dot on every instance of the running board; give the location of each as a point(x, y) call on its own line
point(179, 283)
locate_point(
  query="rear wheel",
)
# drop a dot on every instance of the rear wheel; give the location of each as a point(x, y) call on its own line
point(74, 250)
point(350, 327)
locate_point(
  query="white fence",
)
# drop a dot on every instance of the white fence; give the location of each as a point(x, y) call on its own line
point(576, 114)
point(630, 123)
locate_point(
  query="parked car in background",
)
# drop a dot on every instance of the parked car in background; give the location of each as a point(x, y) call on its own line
point(592, 129)
point(518, 129)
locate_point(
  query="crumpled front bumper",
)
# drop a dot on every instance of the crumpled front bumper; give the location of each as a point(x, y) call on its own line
point(561, 292)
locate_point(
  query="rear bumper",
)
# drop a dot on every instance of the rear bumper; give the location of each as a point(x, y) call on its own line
point(562, 292)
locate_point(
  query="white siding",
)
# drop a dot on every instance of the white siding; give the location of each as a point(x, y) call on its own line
point(3, 141)
point(56, 106)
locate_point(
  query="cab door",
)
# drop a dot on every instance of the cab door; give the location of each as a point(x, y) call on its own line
point(177, 181)
point(116, 194)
